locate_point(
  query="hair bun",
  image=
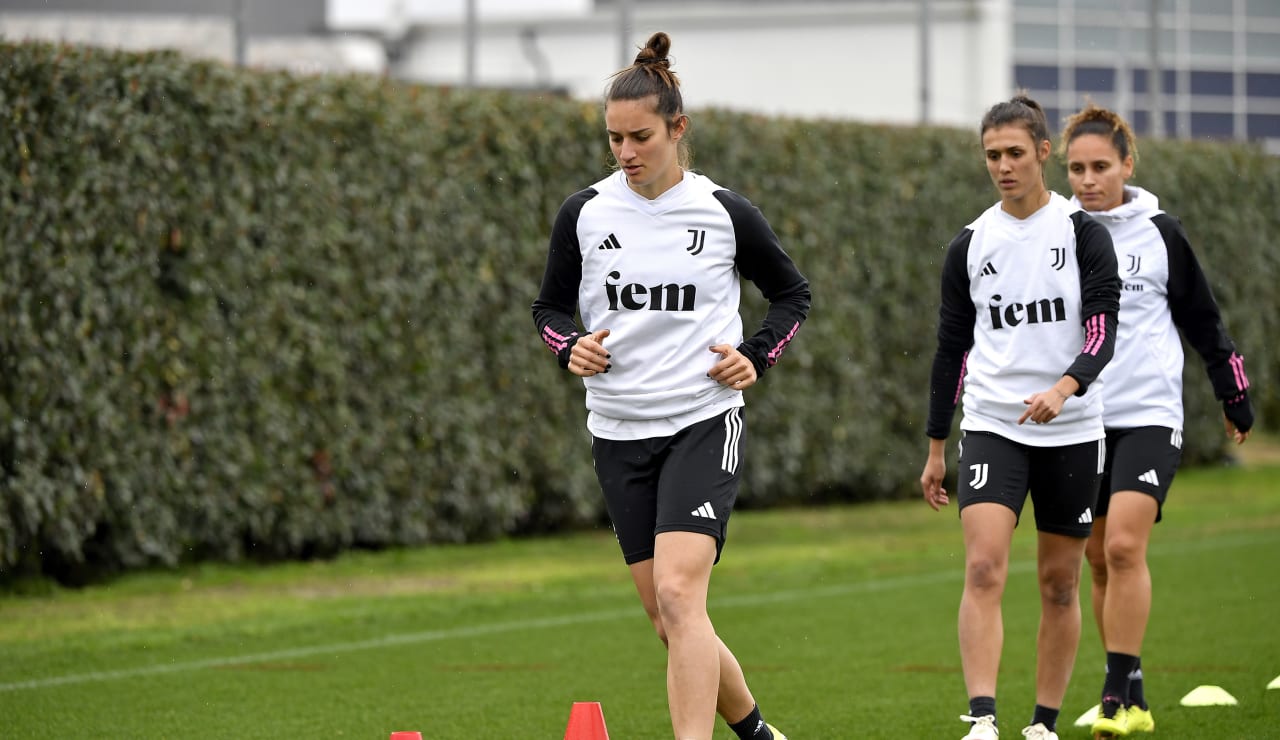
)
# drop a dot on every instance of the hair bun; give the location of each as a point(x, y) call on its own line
point(655, 50)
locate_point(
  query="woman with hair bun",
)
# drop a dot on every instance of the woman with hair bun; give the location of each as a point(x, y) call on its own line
point(1163, 290)
point(1027, 321)
point(651, 257)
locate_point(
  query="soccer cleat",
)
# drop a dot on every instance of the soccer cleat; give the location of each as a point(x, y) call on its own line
point(1139, 719)
point(981, 728)
point(1039, 732)
point(777, 734)
point(1106, 728)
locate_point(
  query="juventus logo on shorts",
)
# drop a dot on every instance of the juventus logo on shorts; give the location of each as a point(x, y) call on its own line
point(979, 476)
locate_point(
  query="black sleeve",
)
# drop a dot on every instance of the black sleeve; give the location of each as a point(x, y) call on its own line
point(1195, 312)
point(1099, 299)
point(956, 318)
point(761, 259)
point(557, 301)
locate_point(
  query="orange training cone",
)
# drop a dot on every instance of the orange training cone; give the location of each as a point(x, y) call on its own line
point(586, 722)
point(406, 736)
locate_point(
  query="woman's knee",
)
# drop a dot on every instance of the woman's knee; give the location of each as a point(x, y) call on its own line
point(677, 601)
point(986, 573)
point(1060, 586)
point(1125, 552)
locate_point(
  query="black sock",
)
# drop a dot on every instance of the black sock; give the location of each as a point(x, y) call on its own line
point(1115, 688)
point(752, 727)
point(981, 706)
point(1135, 686)
point(1045, 716)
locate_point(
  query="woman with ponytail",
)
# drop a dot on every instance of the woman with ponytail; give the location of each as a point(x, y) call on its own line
point(1164, 290)
point(651, 259)
point(1027, 321)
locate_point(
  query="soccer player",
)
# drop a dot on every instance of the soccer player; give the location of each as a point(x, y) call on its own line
point(651, 257)
point(1027, 321)
point(1164, 290)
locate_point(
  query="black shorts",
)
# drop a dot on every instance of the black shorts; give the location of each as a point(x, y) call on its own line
point(687, 482)
point(1063, 481)
point(1142, 459)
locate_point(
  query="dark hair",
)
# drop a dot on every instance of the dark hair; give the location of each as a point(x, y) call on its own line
point(1094, 119)
point(1020, 110)
point(650, 74)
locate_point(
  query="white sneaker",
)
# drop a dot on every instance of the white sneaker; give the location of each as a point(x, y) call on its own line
point(983, 728)
point(1039, 732)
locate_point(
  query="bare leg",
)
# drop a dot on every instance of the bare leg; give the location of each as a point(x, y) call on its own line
point(1132, 515)
point(673, 587)
point(734, 701)
point(988, 530)
point(1096, 553)
point(1058, 560)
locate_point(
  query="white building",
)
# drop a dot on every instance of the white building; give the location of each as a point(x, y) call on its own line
point(895, 61)
point(851, 60)
point(1218, 60)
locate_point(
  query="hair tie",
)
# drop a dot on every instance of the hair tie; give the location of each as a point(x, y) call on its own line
point(651, 60)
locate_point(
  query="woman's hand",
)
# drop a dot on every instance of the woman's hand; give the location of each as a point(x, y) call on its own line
point(935, 469)
point(734, 369)
point(588, 356)
point(1045, 406)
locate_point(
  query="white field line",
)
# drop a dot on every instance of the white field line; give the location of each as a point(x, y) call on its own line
point(520, 625)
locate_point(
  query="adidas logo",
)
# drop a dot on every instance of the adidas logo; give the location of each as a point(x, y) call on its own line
point(610, 243)
point(704, 511)
point(1086, 517)
point(1150, 477)
point(990, 269)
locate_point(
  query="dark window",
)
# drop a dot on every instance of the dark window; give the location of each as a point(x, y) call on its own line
point(1212, 125)
point(1212, 83)
point(1035, 77)
point(1095, 79)
point(1262, 85)
point(1141, 122)
point(1264, 126)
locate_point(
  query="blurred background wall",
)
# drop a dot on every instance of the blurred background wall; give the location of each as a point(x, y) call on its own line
point(893, 61)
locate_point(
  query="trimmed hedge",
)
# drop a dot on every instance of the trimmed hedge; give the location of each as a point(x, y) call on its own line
point(253, 315)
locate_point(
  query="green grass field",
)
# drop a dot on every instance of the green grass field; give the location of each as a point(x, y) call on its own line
point(844, 619)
